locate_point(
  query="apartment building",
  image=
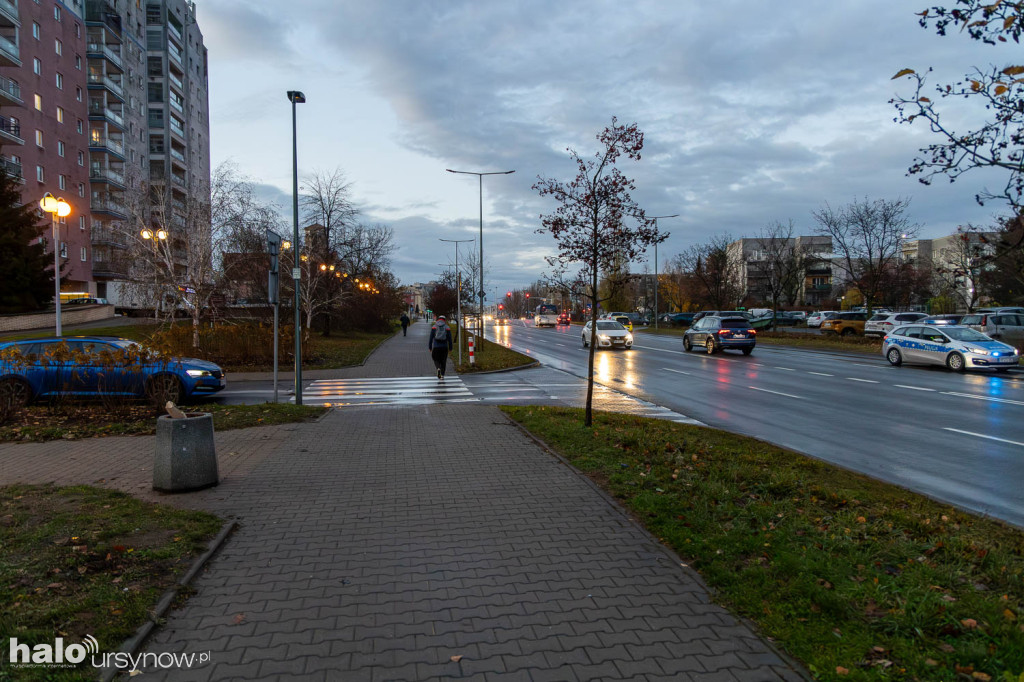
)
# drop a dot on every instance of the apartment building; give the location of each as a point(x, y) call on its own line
point(99, 99)
point(813, 287)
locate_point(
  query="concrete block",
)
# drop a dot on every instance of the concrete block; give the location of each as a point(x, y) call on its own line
point(185, 455)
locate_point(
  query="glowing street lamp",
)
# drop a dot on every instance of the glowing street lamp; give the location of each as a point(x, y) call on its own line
point(56, 208)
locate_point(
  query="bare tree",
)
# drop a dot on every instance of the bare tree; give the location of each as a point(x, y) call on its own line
point(867, 238)
point(957, 269)
point(715, 272)
point(590, 221)
point(781, 264)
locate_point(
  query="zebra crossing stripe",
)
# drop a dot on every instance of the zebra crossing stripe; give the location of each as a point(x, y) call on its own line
point(389, 390)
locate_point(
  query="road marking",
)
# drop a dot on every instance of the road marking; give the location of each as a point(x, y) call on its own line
point(914, 388)
point(822, 374)
point(981, 435)
point(861, 364)
point(865, 381)
point(677, 371)
point(663, 350)
point(788, 369)
point(765, 390)
point(983, 397)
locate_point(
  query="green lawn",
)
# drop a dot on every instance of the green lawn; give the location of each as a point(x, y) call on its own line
point(855, 578)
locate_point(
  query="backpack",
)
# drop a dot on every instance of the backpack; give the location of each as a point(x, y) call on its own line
point(441, 334)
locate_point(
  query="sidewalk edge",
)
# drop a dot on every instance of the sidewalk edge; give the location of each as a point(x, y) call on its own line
point(529, 365)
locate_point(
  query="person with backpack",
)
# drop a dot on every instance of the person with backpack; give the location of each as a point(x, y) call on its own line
point(405, 323)
point(440, 344)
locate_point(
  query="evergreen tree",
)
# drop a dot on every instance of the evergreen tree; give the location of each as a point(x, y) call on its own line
point(26, 270)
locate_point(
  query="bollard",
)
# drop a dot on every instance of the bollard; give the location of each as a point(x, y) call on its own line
point(185, 455)
point(472, 360)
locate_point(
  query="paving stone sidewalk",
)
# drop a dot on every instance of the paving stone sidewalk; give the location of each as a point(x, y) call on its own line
point(420, 543)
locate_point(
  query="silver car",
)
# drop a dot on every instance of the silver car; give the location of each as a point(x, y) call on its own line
point(957, 347)
point(883, 323)
point(815, 319)
point(610, 334)
point(1008, 327)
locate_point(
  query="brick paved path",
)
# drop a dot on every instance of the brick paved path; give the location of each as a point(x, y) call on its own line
point(418, 543)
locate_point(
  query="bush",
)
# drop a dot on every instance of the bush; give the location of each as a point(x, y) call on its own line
point(236, 345)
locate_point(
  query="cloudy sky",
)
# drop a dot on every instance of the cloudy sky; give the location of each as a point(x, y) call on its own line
point(753, 111)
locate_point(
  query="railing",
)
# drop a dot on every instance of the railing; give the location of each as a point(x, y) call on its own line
point(103, 79)
point(99, 109)
point(105, 51)
point(10, 8)
point(177, 127)
point(106, 174)
point(178, 155)
point(10, 48)
point(107, 142)
point(10, 87)
point(101, 204)
point(109, 270)
point(13, 168)
point(174, 52)
point(177, 81)
point(105, 235)
point(177, 180)
point(176, 105)
point(10, 127)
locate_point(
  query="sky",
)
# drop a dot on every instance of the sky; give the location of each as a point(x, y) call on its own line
point(753, 112)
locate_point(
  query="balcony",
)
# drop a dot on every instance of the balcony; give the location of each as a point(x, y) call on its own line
point(108, 270)
point(10, 92)
point(103, 14)
point(102, 80)
point(108, 206)
point(178, 156)
point(12, 168)
point(177, 128)
point(10, 131)
point(105, 236)
point(101, 50)
point(9, 53)
point(9, 13)
point(101, 144)
point(98, 110)
point(99, 174)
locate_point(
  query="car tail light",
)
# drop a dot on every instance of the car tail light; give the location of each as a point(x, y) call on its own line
point(752, 331)
point(724, 331)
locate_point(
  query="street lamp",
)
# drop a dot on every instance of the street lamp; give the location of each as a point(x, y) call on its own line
point(655, 219)
point(480, 177)
point(55, 207)
point(458, 292)
point(296, 97)
point(156, 237)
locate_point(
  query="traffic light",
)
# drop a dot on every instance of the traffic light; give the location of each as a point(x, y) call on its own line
point(501, 306)
point(527, 294)
point(509, 294)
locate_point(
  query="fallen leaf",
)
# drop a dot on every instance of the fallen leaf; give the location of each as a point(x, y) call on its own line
point(931, 661)
point(455, 659)
point(980, 676)
point(1009, 615)
point(239, 618)
point(969, 623)
point(840, 670)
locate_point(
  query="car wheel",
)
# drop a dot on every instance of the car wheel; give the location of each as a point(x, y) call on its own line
point(163, 388)
point(894, 357)
point(710, 347)
point(748, 351)
point(955, 362)
point(15, 393)
point(848, 332)
point(687, 346)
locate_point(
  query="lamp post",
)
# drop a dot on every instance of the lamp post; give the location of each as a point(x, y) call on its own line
point(655, 219)
point(296, 97)
point(458, 289)
point(156, 236)
point(480, 178)
point(55, 207)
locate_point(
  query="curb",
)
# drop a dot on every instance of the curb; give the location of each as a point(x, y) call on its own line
point(531, 365)
point(135, 642)
point(794, 665)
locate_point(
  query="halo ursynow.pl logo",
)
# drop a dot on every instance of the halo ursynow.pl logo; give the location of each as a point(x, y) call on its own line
point(56, 655)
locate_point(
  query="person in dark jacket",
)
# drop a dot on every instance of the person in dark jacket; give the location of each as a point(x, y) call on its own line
point(405, 323)
point(440, 344)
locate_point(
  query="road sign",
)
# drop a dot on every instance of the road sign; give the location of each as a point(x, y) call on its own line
point(481, 294)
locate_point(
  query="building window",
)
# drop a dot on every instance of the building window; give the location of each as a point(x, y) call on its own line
point(84, 252)
point(37, 66)
point(60, 81)
point(39, 138)
point(60, 150)
point(58, 46)
point(78, 30)
point(62, 181)
point(78, 62)
point(63, 249)
point(39, 174)
point(78, 126)
point(60, 115)
point(81, 193)
point(39, 102)
point(81, 158)
point(78, 94)
point(81, 222)
point(35, 30)
point(56, 12)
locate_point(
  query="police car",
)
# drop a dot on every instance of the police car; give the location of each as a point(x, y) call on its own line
point(955, 346)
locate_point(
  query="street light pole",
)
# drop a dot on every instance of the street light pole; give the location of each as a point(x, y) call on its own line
point(296, 97)
point(655, 219)
point(55, 207)
point(458, 288)
point(480, 177)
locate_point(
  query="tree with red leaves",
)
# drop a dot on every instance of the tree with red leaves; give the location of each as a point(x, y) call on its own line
point(590, 223)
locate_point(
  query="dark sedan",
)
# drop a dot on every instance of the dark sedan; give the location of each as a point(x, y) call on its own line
point(721, 333)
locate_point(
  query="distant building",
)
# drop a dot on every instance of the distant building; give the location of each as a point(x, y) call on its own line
point(812, 288)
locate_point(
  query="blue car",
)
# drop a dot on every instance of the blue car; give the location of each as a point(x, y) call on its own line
point(84, 366)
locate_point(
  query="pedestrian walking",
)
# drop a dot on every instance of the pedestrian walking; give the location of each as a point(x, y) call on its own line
point(440, 344)
point(405, 324)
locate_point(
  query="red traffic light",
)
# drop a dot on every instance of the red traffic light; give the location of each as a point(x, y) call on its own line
point(501, 306)
point(509, 294)
point(527, 294)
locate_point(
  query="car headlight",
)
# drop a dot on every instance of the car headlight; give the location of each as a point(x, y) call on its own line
point(197, 373)
point(976, 351)
point(629, 338)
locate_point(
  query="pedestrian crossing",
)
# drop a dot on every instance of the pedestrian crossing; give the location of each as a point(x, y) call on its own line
point(385, 391)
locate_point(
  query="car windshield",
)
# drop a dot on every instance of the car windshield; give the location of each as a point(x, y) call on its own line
point(609, 325)
point(734, 323)
point(965, 334)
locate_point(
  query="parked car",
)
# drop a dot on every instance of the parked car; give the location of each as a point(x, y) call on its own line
point(610, 334)
point(713, 333)
point(678, 319)
point(1008, 327)
point(84, 366)
point(816, 318)
point(564, 318)
point(883, 323)
point(956, 346)
point(1001, 310)
point(86, 300)
point(942, 320)
point(722, 313)
point(845, 324)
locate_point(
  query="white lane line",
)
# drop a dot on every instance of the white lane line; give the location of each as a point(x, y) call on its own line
point(865, 381)
point(861, 364)
point(663, 350)
point(983, 397)
point(822, 374)
point(756, 364)
point(677, 371)
point(765, 390)
point(914, 388)
point(981, 435)
point(788, 369)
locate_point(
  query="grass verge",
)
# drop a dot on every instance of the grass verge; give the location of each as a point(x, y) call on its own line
point(39, 423)
point(83, 561)
point(493, 356)
point(856, 578)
